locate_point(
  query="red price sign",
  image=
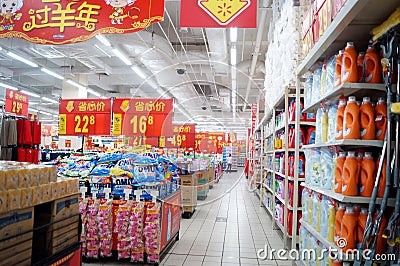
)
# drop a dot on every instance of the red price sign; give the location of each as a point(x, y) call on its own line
point(198, 139)
point(67, 143)
point(16, 102)
point(219, 139)
point(143, 117)
point(183, 136)
point(85, 117)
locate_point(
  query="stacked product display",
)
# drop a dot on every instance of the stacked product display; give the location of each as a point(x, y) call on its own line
point(37, 225)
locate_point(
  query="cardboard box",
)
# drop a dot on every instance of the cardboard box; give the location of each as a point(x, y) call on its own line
point(24, 178)
point(13, 223)
point(62, 188)
point(188, 208)
point(3, 180)
point(65, 207)
point(3, 202)
point(65, 240)
point(44, 175)
point(188, 180)
point(12, 176)
point(61, 224)
point(14, 199)
point(27, 197)
point(35, 176)
point(21, 259)
point(189, 196)
point(72, 186)
point(46, 193)
point(16, 249)
point(37, 195)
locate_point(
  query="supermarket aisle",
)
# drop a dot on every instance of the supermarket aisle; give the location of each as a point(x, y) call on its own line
point(227, 229)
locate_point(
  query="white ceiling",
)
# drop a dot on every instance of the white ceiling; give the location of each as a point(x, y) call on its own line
point(159, 51)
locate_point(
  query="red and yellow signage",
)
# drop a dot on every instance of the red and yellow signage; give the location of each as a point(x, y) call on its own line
point(170, 225)
point(143, 117)
point(183, 136)
point(16, 102)
point(67, 143)
point(254, 111)
point(62, 21)
point(48, 131)
point(199, 137)
point(219, 140)
point(219, 13)
point(85, 117)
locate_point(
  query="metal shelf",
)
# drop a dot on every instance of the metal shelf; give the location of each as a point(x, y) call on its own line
point(269, 152)
point(354, 21)
point(347, 142)
point(268, 209)
point(282, 228)
point(280, 174)
point(283, 202)
point(280, 128)
point(347, 89)
point(268, 170)
point(268, 188)
point(346, 199)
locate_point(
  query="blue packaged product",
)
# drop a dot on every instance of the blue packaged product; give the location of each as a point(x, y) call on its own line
point(109, 157)
point(102, 169)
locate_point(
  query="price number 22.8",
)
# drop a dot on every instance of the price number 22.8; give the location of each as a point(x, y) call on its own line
point(139, 123)
point(82, 122)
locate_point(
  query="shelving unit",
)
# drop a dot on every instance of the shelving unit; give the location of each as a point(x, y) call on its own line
point(353, 22)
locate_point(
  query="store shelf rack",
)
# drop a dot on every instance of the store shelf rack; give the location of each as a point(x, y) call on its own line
point(355, 143)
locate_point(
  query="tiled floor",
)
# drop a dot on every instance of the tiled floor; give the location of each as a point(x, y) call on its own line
point(242, 228)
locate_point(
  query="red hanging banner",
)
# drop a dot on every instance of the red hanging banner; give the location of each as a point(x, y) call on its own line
point(16, 102)
point(183, 136)
point(142, 117)
point(71, 21)
point(219, 13)
point(89, 117)
point(199, 137)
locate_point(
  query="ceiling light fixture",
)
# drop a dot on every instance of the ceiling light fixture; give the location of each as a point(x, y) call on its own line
point(233, 34)
point(33, 110)
point(103, 97)
point(121, 56)
point(101, 50)
point(75, 84)
point(51, 73)
point(46, 120)
point(45, 113)
point(8, 87)
point(21, 59)
point(49, 100)
point(233, 56)
point(31, 93)
point(139, 72)
point(103, 40)
point(95, 93)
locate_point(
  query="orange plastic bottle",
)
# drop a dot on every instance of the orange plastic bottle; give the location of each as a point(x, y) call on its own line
point(338, 221)
point(367, 176)
point(338, 69)
point(339, 172)
point(372, 66)
point(382, 180)
point(361, 223)
point(337, 263)
point(380, 119)
point(380, 243)
point(367, 117)
point(360, 156)
point(349, 228)
point(350, 177)
point(360, 66)
point(351, 119)
point(339, 119)
point(349, 65)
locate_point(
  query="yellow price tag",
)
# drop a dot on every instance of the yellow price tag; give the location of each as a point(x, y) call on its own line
point(62, 127)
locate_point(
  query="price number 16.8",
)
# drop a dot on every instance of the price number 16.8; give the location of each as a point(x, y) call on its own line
point(139, 123)
point(82, 122)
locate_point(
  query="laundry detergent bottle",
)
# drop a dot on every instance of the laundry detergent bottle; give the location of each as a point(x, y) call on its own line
point(338, 221)
point(349, 65)
point(349, 229)
point(350, 175)
point(351, 120)
point(360, 66)
point(331, 221)
point(382, 180)
point(338, 69)
point(339, 172)
point(367, 117)
point(380, 119)
point(372, 66)
point(367, 177)
point(340, 119)
point(361, 223)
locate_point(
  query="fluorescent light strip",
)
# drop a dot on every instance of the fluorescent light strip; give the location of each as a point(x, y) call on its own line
point(101, 50)
point(31, 93)
point(49, 100)
point(45, 113)
point(139, 72)
point(46, 120)
point(75, 84)
point(51, 73)
point(8, 87)
point(95, 93)
point(103, 97)
point(23, 60)
point(33, 110)
point(233, 34)
point(103, 40)
point(233, 56)
point(121, 56)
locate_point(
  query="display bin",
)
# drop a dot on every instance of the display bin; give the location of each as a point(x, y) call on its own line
point(202, 185)
point(189, 193)
point(211, 176)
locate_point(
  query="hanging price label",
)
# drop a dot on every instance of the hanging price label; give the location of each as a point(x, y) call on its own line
point(142, 117)
point(183, 136)
point(85, 117)
point(16, 102)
